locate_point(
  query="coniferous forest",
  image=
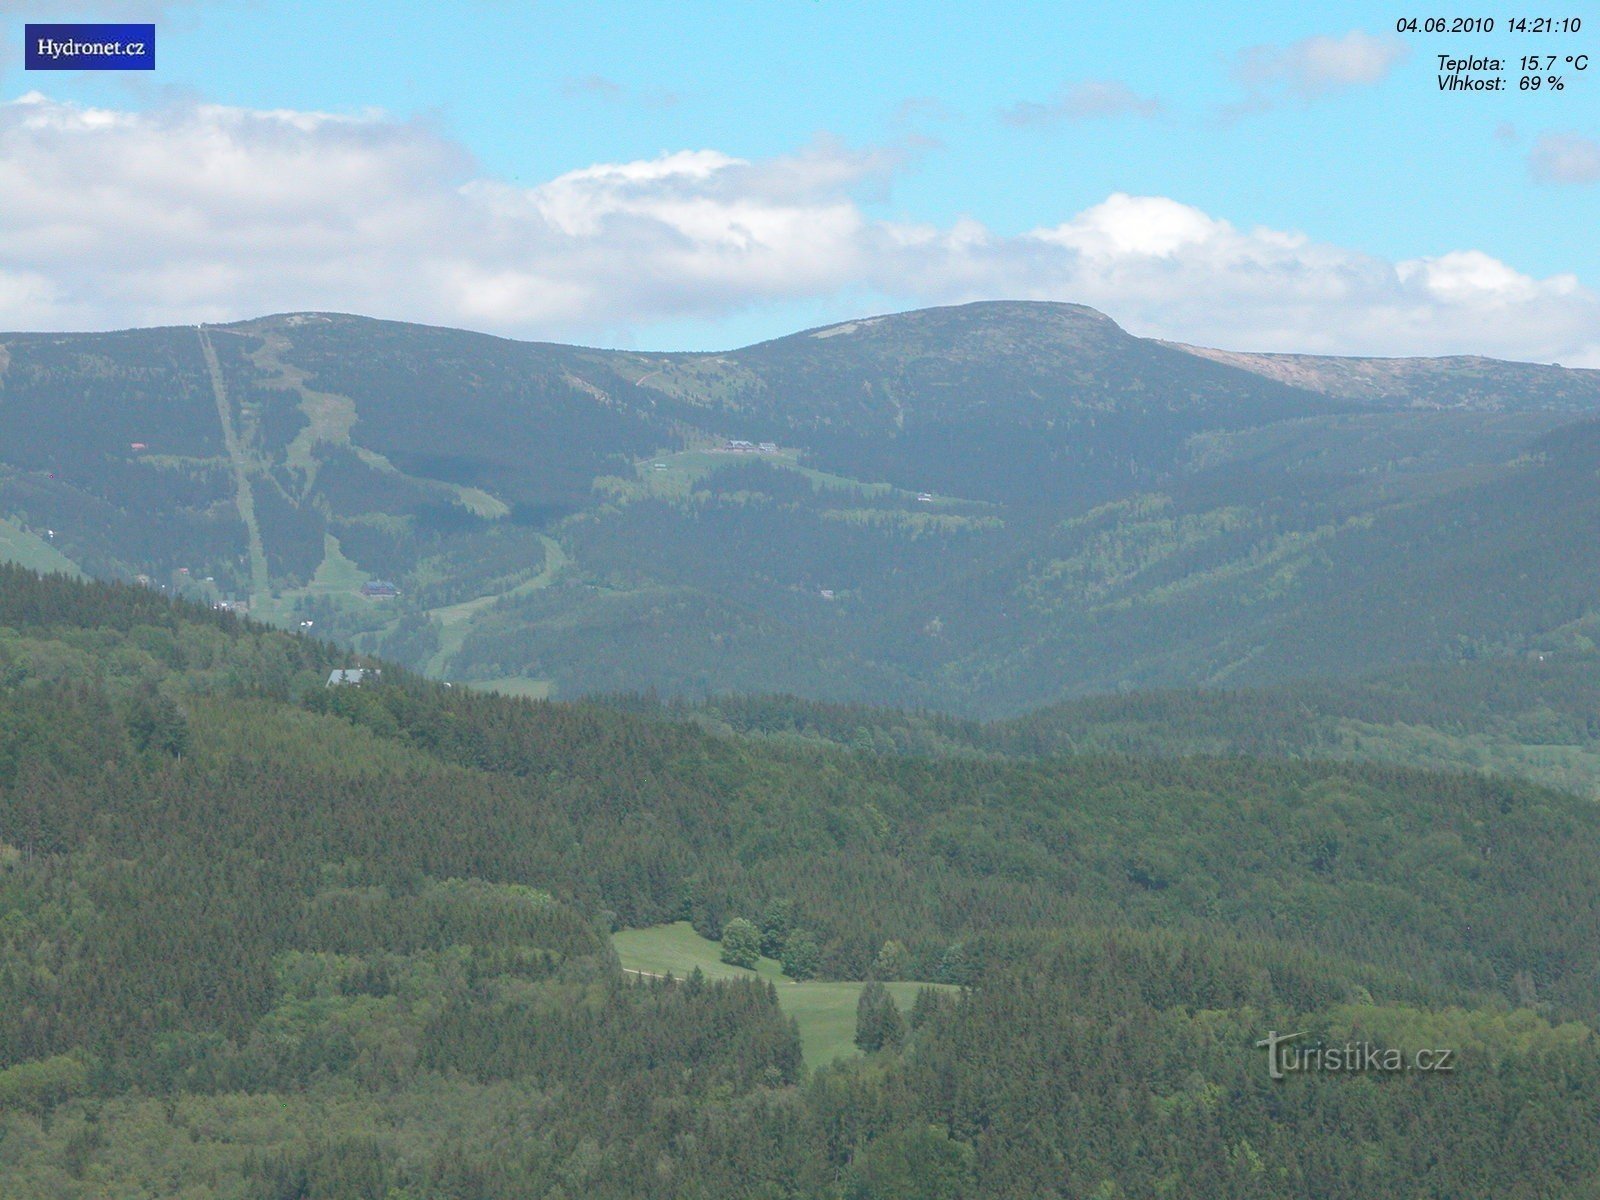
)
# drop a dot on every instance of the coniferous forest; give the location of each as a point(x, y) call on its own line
point(261, 937)
point(811, 600)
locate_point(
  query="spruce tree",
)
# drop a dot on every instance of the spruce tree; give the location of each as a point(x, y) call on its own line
point(878, 1020)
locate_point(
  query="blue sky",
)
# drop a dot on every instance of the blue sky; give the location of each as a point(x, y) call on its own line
point(1291, 176)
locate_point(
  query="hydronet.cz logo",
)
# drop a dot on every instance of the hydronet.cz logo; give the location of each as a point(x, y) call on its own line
point(90, 47)
point(1287, 1055)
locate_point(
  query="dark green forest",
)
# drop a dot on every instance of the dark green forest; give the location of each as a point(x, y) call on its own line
point(265, 938)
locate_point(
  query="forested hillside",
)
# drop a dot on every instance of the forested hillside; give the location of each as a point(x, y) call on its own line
point(1535, 717)
point(263, 937)
point(979, 509)
point(1538, 718)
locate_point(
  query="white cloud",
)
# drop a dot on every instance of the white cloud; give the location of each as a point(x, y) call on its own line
point(1172, 270)
point(211, 213)
point(1565, 158)
point(1314, 67)
point(1125, 227)
point(1082, 101)
point(1167, 269)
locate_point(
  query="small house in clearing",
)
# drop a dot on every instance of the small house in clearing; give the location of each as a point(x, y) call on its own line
point(379, 589)
point(354, 676)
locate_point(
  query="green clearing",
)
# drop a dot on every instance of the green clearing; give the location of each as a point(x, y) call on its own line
point(329, 418)
point(28, 550)
point(456, 619)
point(474, 500)
point(481, 502)
point(336, 577)
point(682, 469)
point(825, 1010)
point(677, 949)
point(336, 574)
point(516, 685)
point(1573, 767)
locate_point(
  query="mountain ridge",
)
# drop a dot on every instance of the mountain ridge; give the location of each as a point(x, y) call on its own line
point(1422, 382)
point(984, 506)
point(1256, 362)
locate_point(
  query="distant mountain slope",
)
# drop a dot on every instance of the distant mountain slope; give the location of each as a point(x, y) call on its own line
point(112, 442)
point(1535, 717)
point(1461, 381)
point(979, 507)
point(529, 423)
point(1242, 579)
point(1072, 405)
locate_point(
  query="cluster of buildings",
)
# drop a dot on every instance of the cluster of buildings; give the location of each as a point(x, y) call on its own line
point(736, 446)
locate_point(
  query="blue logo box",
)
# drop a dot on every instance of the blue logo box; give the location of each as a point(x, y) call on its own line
point(91, 48)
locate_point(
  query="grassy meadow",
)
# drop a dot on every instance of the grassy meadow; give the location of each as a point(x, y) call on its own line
point(825, 1010)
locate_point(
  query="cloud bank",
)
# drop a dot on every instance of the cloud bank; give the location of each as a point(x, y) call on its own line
point(1313, 68)
point(1565, 158)
point(213, 213)
point(599, 87)
point(1083, 101)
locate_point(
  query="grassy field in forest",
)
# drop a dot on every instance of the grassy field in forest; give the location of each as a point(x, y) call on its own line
point(825, 1010)
point(29, 550)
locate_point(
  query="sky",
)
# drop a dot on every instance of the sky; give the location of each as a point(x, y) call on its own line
point(703, 174)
